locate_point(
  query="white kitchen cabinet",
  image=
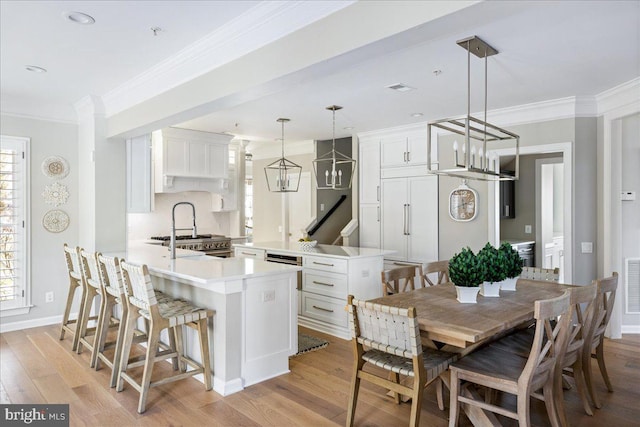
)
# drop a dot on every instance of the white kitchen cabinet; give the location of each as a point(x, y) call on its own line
point(227, 199)
point(139, 182)
point(410, 218)
point(404, 149)
point(369, 193)
point(189, 160)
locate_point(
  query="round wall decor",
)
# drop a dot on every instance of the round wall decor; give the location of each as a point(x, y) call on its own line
point(55, 194)
point(55, 221)
point(55, 167)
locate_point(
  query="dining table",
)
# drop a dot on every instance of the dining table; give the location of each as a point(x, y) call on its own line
point(449, 325)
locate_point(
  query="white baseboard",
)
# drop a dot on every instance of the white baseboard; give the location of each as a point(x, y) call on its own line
point(631, 329)
point(225, 388)
point(26, 324)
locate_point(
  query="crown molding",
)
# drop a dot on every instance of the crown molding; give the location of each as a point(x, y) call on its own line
point(261, 25)
point(88, 107)
point(624, 95)
point(554, 109)
point(36, 117)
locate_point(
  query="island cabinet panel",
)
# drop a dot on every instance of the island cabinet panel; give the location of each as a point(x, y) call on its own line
point(329, 284)
point(323, 309)
point(325, 264)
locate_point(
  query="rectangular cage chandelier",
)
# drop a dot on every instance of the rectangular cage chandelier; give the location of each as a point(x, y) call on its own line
point(474, 159)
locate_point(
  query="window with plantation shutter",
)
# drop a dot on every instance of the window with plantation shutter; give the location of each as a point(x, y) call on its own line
point(13, 219)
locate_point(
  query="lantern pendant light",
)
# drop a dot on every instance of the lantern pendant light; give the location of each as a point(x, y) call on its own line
point(334, 170)
point(283, 176)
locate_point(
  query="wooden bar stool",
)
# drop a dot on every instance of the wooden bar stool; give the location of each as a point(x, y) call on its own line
point(93, 289)
point(142, 301)
point(114, 296)
point(76, 279)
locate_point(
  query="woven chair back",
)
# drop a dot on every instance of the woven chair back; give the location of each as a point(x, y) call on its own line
point(138, 286)
point(111, 275)
point(389, 329)
point(72, 257)
point(89, 262)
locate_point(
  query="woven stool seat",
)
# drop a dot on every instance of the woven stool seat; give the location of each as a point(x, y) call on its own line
point(178, 312)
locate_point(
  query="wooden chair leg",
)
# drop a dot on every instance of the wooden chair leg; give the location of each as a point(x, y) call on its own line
point(152, 350)
point(578, 376)
point(588, 376)
point(353, 399)
point(117, 357)
point(126, 347)
point(454, 404)
point(603, 367)
point(524, 416)
point(203, 329)
point(552, 401)
point(100, 329)
point(416, 403)
point(67, 309)
point(440, 393)
point(395, 377)
point(83, 320)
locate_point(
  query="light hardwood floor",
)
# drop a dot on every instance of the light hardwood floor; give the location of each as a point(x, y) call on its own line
point(36, 367)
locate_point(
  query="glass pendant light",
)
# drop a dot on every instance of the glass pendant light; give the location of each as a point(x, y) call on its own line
point(283, 176)
point(334, 170)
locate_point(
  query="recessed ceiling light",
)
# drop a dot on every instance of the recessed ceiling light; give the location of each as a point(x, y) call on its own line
point(400, 87)
point(35, 69)
point(348, 128)
point(416, 115)
point(79, 18)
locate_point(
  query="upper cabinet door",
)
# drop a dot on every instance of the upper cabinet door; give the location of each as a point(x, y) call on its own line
point(417, 148)
point(393, 151)
point(394, 216)
point(369, 163)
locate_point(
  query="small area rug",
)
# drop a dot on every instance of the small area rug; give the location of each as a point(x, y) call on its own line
point(307, 343)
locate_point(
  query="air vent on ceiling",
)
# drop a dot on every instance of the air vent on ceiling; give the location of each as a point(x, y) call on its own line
point(632, 284)
point(400, 87)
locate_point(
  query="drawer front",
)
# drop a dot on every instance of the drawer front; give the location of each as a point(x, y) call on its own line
point(325, 309)
point(329, 284)
point(250, 253)
point(325, 264)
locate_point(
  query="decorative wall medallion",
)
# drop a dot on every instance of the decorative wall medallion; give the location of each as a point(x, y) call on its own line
point(55, 221)
point(55, 194)
point(55, 167)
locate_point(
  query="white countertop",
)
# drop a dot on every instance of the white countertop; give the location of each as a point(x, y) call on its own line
point(292, 248)
point(517, 241)
point(201, 270)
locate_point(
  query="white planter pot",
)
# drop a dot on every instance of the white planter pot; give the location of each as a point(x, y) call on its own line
point(509, 284)
point(467, 295)
point(490, 289)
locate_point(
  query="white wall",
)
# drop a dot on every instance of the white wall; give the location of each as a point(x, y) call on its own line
point(46, 263)
point(630, 209)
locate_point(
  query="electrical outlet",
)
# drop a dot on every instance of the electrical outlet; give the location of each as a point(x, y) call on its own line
point(365, 273)
point(527, 229)
point(269, 295)
point(48, 297)
point(587, 247)
point(321, 207)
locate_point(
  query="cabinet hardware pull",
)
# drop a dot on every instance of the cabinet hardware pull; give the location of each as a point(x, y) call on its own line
point(248, 253)
point(322, 283)
point(221, 202)
point(408, 219)
point(322, 263)
point(323, 309)
point(404, 156)
point(408, 156)
point(378, 213)
point(378, 192)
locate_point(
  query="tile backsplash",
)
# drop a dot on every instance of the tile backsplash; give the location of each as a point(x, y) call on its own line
point(157, 223)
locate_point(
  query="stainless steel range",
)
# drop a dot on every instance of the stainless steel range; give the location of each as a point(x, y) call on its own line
point(210, 244)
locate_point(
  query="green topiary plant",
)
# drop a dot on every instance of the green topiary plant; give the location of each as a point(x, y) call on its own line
point(465, 270)
point(492, 265)
point(510, 260)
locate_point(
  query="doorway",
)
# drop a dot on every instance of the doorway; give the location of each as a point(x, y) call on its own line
point(550, 213)
point(562, 149)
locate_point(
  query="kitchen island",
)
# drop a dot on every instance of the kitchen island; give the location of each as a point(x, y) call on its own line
point(254, 329)
point(329, 274)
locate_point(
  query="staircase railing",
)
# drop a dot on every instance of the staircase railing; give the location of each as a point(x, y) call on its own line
point(327, 215)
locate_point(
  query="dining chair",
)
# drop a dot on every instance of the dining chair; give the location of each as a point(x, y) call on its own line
point(583, 302)
point(595, 342)
point(93, 290)
point(399, 279)
point(509, 372)
point(76, 279)
point(389, 338)
point(439, 267)
point(537, 273)
point(171, 315)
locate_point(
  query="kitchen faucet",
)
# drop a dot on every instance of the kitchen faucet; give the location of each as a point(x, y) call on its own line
point(194, 233)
